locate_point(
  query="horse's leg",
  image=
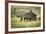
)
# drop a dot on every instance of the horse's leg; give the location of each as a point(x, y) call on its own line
point(21, 19)
point(24, 19)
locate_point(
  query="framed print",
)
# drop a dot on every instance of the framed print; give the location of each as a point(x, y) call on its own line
point(24, 16)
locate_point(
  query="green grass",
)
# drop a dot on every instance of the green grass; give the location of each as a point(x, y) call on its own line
point(16, 23)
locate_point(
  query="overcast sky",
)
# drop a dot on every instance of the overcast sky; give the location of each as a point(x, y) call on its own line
point(26, 9)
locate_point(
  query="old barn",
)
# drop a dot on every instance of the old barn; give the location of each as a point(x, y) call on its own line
point(27, 16)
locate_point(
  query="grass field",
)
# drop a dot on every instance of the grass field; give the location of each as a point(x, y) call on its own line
point(16, 23)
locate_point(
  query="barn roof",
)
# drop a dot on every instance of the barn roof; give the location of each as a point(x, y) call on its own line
point(30, 14)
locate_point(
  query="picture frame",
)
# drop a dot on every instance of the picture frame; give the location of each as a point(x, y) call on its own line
point(21, 7)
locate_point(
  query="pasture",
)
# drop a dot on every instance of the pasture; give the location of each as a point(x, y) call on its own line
point(16, 23)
